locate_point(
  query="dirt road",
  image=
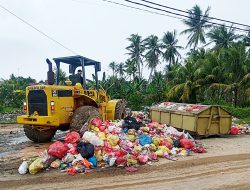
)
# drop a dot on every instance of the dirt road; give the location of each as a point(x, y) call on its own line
point(225, 166)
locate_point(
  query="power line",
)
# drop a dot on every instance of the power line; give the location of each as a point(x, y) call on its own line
point(178, 14)
point(192, 13)
point(41, 32)
point(153, 12)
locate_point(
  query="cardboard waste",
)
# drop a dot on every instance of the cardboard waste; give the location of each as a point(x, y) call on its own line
point(109, 144)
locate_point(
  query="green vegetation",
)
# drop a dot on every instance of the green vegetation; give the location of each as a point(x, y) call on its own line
point(216, 70)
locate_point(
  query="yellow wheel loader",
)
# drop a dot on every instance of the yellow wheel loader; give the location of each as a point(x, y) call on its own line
point(53, 107)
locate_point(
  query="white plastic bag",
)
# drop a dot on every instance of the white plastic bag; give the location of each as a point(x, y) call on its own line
point(92, 138)
point(23, 168)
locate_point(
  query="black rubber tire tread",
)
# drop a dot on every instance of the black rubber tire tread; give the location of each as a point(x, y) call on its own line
point(38, 136)
point(120, 109)
point(81, 116)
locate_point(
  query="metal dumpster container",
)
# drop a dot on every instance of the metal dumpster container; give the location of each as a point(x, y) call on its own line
point(204, 120)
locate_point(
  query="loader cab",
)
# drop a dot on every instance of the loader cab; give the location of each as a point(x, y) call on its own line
point(75, 63)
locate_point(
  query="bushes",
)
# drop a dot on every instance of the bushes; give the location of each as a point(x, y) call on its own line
point(241, 113)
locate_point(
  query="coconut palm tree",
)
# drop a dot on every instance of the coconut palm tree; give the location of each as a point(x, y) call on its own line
point(120, 69)
point(222, 37)
point(135, 50)
point(113, 66)
point(186, 82)
point(236, 73)
point(153, 53)
point(130, 68)
point(170, 48)
point(197, 24)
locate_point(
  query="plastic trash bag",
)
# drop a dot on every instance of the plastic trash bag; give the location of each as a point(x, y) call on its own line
point(152, 156)
point(144, 139)
point(36, 166)
point(72, 137)
point(96, 122)
point(92, 138)
point(23, 168)
point(47, 159)
point(131, 160)
point(164, 142)
point(58, 149)
point(186, 143)
point(71, 171)
point(121, 161)
point(68, 158)
point(234, 131)
point(93, 161)
point(55, 164)
point(113, 139)
point(156, 141)
point(143, 158)
point(85, 149)
point(152, 147)
point(86, 163)
point(73, 150)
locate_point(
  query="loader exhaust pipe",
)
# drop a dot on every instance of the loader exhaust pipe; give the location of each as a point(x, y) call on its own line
point(50, 73)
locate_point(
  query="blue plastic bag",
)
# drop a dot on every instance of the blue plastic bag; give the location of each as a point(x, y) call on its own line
point(144, 139)
point(93, 161)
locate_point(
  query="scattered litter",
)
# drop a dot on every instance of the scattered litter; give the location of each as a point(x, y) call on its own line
point(131, 169)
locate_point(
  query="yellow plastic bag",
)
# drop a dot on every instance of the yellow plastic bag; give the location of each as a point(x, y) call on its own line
point(113, 140)
point(102, 136)
point(159, 153)
point(131, 138)
point(131, 161)
point(164, 149)
point(152, 147)
point(36, 166)
point(156, 141)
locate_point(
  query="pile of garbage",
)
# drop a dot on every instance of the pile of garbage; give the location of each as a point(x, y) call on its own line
point(181, 107)
point(127, 143)
point(238, 129)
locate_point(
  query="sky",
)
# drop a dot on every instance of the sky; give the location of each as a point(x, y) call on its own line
point(91, 28)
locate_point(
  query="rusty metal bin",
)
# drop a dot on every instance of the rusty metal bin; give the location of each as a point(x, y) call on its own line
point(208, 120)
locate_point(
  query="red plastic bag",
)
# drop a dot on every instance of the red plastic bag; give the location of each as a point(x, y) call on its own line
point(71, 171)
point(73, 150)
point(186, 143)
point(121, 161)
point(164, 142)
point(200, 150)
point(72, 137)
point(96, 122)
point(120, 153)
point(58, 149)
point(234, 131)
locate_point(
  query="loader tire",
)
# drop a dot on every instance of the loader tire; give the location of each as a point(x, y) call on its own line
point(120, 109)
point(38, 135)
point(81, 118)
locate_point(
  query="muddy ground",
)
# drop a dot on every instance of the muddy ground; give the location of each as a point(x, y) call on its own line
point(225, 166)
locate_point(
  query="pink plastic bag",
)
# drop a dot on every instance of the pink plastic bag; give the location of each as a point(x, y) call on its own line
point(58, 149)
point(96, 122)
point(186, 143)
point(143, 158)
point(72, 137)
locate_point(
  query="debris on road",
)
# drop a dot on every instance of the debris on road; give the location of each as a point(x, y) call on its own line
point(109, 144)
